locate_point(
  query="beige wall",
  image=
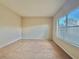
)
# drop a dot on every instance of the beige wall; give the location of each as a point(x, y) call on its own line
point(36, 27)
point(10, 26)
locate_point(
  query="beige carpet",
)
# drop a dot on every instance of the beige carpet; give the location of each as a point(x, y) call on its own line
point(32, 49)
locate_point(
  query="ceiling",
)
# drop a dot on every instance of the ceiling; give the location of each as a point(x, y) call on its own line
point(34, 7)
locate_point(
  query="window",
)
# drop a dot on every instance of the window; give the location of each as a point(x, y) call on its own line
point(73, 18)
point(68, 27)
point(62, 21)
point(70, 20)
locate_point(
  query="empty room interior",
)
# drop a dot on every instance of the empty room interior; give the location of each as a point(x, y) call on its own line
point(39, 29)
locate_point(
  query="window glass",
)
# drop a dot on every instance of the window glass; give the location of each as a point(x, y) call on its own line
point(62, 22)
point(73, 18)
point(68, 27)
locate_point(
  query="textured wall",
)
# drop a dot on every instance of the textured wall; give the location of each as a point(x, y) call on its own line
point(36, 28)
point(10, 26)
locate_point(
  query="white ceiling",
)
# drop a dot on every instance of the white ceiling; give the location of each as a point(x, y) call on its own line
point(34, 7)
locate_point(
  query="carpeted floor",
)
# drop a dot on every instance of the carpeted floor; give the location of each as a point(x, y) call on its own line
point(32, 49)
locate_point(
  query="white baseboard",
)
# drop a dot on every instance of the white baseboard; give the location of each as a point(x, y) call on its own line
point(4, 45)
